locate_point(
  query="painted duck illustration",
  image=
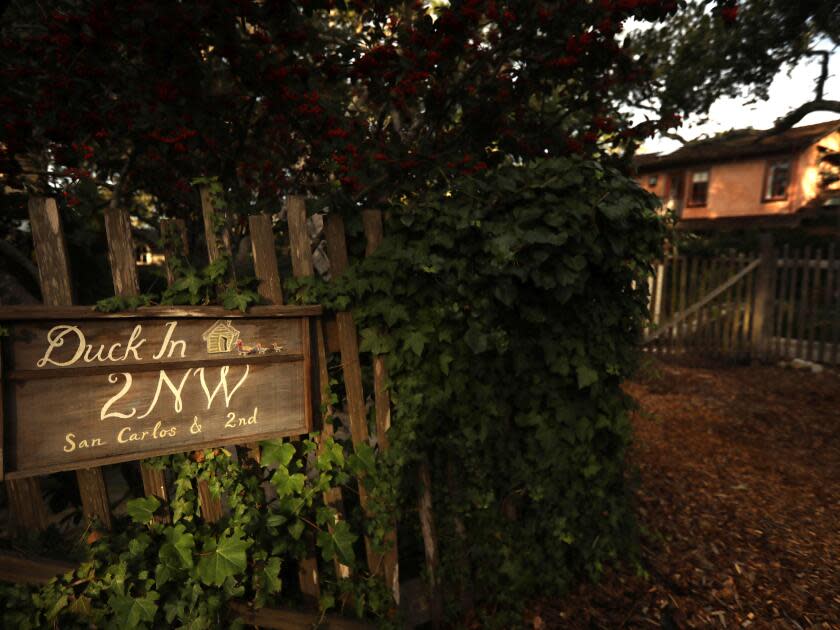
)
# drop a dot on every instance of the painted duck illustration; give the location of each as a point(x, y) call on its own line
point(241, 348)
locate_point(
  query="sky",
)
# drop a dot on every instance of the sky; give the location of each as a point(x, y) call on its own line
point(786, 93)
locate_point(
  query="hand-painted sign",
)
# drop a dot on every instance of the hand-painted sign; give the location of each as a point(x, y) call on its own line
point(82, 388)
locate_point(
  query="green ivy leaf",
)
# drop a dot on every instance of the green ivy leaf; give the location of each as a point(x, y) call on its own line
point(222, 559)
point(271, 575)
point(141, 510)
point(177, 551)
point(286, 484)
point(415, 341)
point(130, 612)
point(476, 340)
point(338, 542)
point(586, 376)
point(363, 461)
point(276, 453)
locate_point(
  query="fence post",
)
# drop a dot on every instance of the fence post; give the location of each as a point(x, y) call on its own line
point(54, 269)
point(763, 299)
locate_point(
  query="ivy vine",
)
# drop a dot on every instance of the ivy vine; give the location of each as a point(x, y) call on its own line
point(181, 573)
point(508, 306)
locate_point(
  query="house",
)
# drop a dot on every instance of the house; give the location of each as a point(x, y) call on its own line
point(748, 178)
point(220, 337)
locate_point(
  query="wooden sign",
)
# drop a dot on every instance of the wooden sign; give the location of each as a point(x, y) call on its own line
point(83, 388)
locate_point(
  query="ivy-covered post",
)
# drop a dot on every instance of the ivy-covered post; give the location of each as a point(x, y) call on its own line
point(351, 367)
point(372, 222)
point(303, 267)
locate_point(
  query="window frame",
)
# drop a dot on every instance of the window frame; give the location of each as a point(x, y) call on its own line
point(689, 189)
point(768, 169)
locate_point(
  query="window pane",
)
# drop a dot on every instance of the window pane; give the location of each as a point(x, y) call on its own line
point(699, 188)
point(778, 178)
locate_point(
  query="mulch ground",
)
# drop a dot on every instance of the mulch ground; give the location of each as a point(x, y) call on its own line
point(739, 494)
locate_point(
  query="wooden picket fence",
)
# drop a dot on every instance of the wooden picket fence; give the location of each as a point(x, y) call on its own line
point(26, 501)
point(772, 304)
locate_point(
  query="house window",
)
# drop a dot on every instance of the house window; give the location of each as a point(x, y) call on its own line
point(778, 180)
point(699, 191)
point(652, 180)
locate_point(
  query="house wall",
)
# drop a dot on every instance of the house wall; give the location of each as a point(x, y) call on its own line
point(659, 189)
point(736, 188)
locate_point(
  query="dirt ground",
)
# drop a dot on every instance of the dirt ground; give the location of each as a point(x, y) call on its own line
point(740, 498)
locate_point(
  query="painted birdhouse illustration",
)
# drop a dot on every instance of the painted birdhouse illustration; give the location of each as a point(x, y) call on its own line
point(220, 337)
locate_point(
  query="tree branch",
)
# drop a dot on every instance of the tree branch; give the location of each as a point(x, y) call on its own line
point(789, 120)
point(820, 89)
point(673, 135)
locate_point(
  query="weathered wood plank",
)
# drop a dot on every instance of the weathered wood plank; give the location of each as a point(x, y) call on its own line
point(301, 249)
point(747, 303)
point(265, 258)
point(825, 324)
point(56, 289)
point(121, 252)
point(31, 570)
point(351, 366)
point(210, 505)
point(781, 301)
point(813, 305)
point(430, 544)
point(268, 275)
point(735, 322)
point(804, 296)
point(793, 266)
point(50, 251)
point(657, 308)
point(26, 504)
point(373, 229)
point(833, 305)
point(218, 238)
point(703, 313)
point(681, 329)
point(303, 267)
point(126, 284)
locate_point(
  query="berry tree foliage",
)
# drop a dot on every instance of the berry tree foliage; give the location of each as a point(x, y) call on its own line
point(361, 99)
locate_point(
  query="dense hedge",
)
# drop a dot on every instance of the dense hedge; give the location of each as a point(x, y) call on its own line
point(509, 306)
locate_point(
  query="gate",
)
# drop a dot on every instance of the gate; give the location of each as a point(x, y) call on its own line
point(770, 305)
